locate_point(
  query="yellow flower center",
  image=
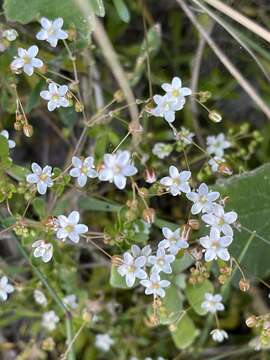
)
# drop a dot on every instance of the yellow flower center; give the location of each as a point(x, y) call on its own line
point(43, 177)
point(175, 93)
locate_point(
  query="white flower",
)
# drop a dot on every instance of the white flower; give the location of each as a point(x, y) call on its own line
point(177, 181)
point(154, 285)
point(212, 303)
point(55, 96)
point(40, 298)
point(27, 60)
point(52, 31)
point(215, 163)
point(217, 144)
point(49, 320)
point(131, 268)
point(219, 335)
point(175, 89)
point(166, 106)
point(216, 245)
point(70, 301)
point(43, 250)
point(162, 150)
point(202, 199)
point(68, 227)
point(41, 177)
point(221, 220)
point(11, 143)
point(116, 168)
point(5, 288)
point(186, 135)
point(173, 241)
point(83, 169)
point(162, 261)
point(104, 342)
point(146, 251)
point(10, 34)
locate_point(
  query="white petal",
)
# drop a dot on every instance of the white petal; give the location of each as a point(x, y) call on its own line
point(28, 69)
point(45, 23)
point(37, 63)
point(120, 181)
point(210, 255)
point(81, 228)
point(74, 217)
point(42, 35)
point(41, 187)
point(32, 178)
point(32, 51)
point(82, 179)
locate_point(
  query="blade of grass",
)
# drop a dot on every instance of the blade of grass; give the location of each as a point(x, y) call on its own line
point(234, 33)
point(240, 18)
point(226, 61)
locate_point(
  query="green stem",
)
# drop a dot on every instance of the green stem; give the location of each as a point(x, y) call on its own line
point(55, 297)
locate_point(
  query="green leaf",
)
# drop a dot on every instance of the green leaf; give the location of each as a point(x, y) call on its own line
point(29, 10)
point(4, 149)
point(195, 295)
point(249, 197)
point(172, 305)
point(182, 264)
point(122, 10)
point(18, 172)
point(39, 206)
point(150, 46)
point(98, 7)
point(184, 332)
point(90, 203)
point(116, 280)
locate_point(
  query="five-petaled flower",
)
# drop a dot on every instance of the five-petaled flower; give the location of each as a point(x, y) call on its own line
point(221, 220)
point(104, 342)
point(83, 168)
point(175, 89)
point(216, 245)
point(174, 241)
point(55, 96)
point(154, 285)
point(177, 182)
point(116, 168)
point(217, 144)
point(132, 268)
point(43, 250)
point(49, 320)
point(70, 301)
point(5, 288)
point(167, 106)
point(212, 303)
point(203, 199)
point(68, 227)
point(219, 335)
point(41, 177)
point(11, 143)
point(27, 60)
point(162, 261)
point(52, 31)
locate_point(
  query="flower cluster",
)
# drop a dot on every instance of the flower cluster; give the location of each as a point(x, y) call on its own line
point(172, 101)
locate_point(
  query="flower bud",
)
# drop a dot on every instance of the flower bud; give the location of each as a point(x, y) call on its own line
point(150, 176)
point(204, 96)
point(119, 96)
point(135, 128)
point(244, 285)
point(48, 344)
point(194, 224)
point(87, 316)
point(251, 321)
point(143, 192)
point(79, 106)
point(10, 34)
point(225, 169)
point(17, 126)
point(215, 116)
point(149, 215)
point(196, 253)
point(116, 260)
point(28, 130)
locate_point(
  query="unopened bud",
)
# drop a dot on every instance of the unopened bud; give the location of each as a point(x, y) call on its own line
point(79, 106)
point(132, 204)
point(10, 34)
point(150, 176)
point(119, 96)
point(194, 224)
point(48, 344)
point(72, 34)
point(17, 126)
point(196, 253)
point(244, 285)
point(204, 96)
point(116, 260)
point(251, 321)
point(28, 130)
point(87, 316)
point(149, 215)
point(215, 116)
point(143, 192)
point(225, 169)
